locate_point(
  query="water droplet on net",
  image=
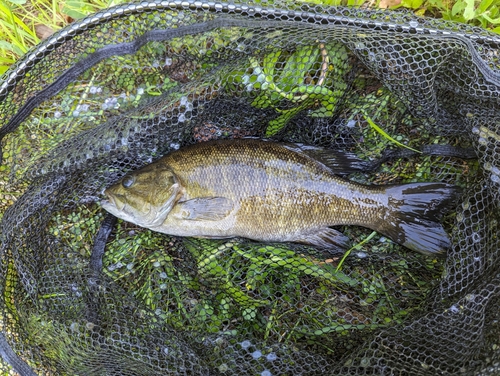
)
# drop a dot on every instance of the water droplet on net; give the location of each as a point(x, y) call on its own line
point(261, 77)
point(271, 357)
point(256, 354)
point(95, 90)
point(82, 107)
point(413, 23)
point(266, 372)
point(351, 124)
point(183, 101)
point(470, 297)
point(110, 103)
point(482, 141)
point(245, 344)
point(168, 61)
point(495, 178)
point(223, 367)
point(57, 114)
point(361, 255)
point(219, 341)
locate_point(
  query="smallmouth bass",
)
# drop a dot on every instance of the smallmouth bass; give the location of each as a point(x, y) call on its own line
point(276, 192)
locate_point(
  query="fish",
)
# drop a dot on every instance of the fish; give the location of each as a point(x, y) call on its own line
point(277, 192)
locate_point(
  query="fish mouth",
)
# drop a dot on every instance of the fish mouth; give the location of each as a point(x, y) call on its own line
point(112, 201)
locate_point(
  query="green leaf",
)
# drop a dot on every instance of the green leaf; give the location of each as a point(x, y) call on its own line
point(469, 12)
point(458, 8)
point(279, 123)
point(241, 298)
point(288, 259)
point(484, 5)
point(262, 100)
point(385, 135)
point(76, 9)
point(495, 21)
point(437, 4)
point(6, 46)
point(312, 89)
point(412, 4)
point(270, 61)
point(296, 67)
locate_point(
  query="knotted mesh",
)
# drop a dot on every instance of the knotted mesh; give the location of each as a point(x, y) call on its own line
point(117, 90)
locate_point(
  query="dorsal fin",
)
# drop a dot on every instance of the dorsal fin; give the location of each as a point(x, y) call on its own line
point(339, 162)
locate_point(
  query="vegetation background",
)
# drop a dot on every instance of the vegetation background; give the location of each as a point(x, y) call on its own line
point(23, 23)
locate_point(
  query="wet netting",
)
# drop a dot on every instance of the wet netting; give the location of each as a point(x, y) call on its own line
point(85, 294)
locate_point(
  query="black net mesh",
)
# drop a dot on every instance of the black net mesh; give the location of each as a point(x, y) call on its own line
point(117, 90)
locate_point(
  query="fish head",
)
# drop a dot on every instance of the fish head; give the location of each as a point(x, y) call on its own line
point(143, 197)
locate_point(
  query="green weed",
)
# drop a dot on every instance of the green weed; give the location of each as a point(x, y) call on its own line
point(484, 13)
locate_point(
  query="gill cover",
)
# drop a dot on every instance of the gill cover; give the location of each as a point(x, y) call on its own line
point(144, 197)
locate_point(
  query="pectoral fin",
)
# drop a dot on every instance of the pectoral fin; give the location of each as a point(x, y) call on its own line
point(326, 238)
point(205, 208)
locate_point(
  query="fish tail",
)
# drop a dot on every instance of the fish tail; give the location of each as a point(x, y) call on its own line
point(414, 214)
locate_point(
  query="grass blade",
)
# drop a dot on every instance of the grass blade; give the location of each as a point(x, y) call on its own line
point(387, 136)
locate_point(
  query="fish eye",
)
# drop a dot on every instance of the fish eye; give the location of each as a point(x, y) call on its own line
point(128, 181)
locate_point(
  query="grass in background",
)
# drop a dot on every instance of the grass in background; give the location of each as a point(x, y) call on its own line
point(23, 24)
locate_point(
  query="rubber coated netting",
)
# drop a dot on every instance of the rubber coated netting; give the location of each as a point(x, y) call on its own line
point(117, 90)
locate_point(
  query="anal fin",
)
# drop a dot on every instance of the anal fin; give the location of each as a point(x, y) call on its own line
point(326, 238)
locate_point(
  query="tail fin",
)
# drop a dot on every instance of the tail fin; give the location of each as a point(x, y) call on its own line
point(414, 213)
